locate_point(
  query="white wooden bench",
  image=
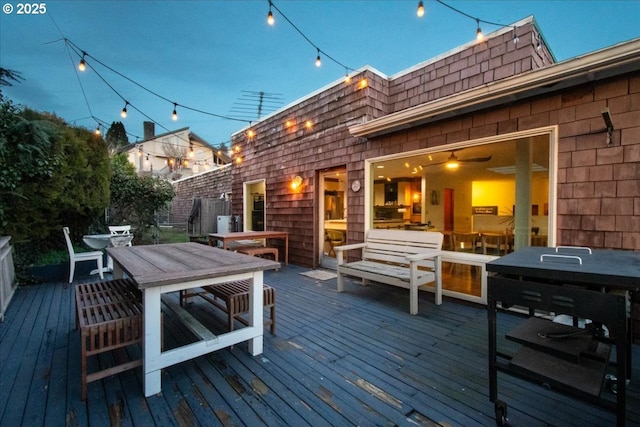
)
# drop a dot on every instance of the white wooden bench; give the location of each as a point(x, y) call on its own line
point(409, 259)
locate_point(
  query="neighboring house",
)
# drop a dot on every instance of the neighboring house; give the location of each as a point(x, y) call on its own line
point(174, 155)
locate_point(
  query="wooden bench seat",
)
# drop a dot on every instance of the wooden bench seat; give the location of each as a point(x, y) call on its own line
point(235, 296)
point(109, 315)
point(409, 259)
point(263, 250)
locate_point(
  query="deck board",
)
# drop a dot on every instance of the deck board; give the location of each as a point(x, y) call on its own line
point(337, 359)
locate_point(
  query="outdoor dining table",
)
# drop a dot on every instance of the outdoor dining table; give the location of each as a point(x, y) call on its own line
point(158, 269)
point(226, 238)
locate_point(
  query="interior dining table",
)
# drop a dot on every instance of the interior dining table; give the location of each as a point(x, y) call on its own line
point(158, 269)
point(248, 236)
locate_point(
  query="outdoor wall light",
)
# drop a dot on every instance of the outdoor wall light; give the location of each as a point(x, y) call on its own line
point(296, 182)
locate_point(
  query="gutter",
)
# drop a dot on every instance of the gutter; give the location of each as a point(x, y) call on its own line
point(619, 59)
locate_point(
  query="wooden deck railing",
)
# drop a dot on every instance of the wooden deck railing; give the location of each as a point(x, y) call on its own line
point(7, 274)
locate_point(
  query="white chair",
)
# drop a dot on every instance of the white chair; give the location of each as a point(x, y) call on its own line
point(81, 256)
point(121, 230)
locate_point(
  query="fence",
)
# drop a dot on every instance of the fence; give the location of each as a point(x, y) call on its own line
point(204, 214)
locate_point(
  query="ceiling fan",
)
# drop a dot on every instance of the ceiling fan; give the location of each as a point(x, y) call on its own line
point(453, 162)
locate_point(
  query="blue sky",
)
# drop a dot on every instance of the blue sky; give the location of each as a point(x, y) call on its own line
point(206, 54)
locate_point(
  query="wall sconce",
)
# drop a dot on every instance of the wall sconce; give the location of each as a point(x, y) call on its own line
point(606, 115)
point(296, 182)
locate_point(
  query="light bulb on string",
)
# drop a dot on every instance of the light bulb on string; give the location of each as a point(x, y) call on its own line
point(270, 19)
point(318, 60)
point(479, 35)
point(516, 39)
point(347, 77)
point(174, 114)
point(82, 65)
point(420, 11)
point(123, 113)
point(97, 132)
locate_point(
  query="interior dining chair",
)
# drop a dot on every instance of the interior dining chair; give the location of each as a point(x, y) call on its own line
point(334, 238)
point(81, 256)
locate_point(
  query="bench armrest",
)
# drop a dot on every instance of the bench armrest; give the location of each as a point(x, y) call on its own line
point(341, 249)
point(349, 247)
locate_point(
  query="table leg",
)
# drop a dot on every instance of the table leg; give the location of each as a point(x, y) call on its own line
point(151, 344)
point(256, 302)
point(286, 250)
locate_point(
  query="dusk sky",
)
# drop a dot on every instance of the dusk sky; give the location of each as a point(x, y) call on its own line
point(207, 55)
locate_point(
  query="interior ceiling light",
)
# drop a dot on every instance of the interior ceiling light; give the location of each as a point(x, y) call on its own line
point(123, 113)
point(318, 60)
point(270, 19)
point(420, 11)
point(174, 115)
point(452, 164)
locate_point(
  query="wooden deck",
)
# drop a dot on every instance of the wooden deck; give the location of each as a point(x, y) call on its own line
point(355, 358)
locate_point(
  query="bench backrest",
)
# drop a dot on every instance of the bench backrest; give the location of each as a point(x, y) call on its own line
point(394, 245)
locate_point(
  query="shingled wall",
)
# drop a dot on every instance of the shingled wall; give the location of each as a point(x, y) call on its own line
point(598, 190)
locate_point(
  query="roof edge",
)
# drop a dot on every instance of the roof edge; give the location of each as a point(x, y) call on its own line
point(617, 59)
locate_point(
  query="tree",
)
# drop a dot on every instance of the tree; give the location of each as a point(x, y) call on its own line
point(7, 76)
point(116, 137)
point(136, 199)
point(52, 174)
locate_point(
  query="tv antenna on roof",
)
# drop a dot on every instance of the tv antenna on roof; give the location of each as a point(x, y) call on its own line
point(253, 104)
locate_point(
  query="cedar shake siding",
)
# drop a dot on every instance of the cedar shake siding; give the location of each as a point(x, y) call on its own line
point(598, 185)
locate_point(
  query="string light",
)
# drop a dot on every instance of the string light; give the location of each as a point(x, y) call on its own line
point(97, 132)
point(174, 115)
point(318, 60)
point(516, 39)
point(479, 35)
point(83, 64)
point(347, 77)
point(420, 11)
point(270, 19)
point(123, 113)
